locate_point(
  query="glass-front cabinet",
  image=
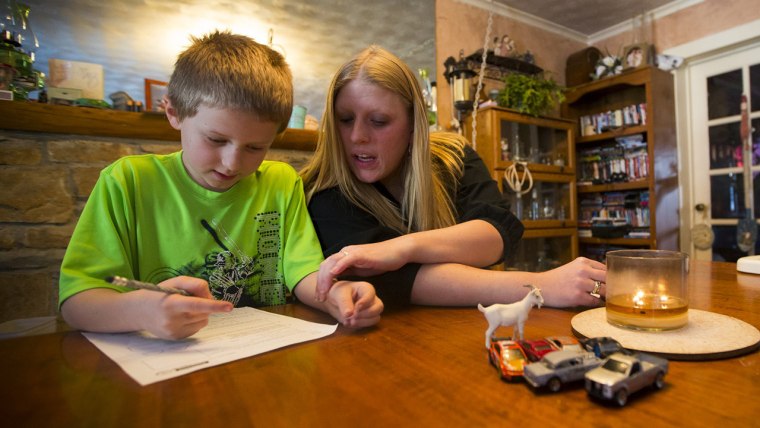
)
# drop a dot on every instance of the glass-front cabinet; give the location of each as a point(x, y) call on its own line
point(544, 249)
point(533, 160)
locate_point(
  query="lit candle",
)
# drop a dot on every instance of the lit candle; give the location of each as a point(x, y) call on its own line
point(646, 289)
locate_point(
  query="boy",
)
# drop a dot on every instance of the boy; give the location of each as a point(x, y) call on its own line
point(214, 219)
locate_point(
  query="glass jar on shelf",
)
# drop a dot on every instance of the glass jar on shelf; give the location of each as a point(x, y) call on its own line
point(505, 153)
point(9, 27)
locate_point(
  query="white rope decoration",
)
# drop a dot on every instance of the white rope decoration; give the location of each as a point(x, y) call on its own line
point(515, 181)
point(480, 82)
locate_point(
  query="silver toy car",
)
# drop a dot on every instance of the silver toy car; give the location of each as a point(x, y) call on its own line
point(560, 367)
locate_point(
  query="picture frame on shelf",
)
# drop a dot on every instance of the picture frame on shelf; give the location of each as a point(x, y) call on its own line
point(637, 55)
point(154, 94)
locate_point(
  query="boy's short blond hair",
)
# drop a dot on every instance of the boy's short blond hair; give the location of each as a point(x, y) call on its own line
point(225, 70)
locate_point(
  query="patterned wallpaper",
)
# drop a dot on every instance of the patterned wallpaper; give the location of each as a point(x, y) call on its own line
point(138, 39)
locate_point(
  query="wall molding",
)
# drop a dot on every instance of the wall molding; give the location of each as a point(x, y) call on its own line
point(543, 24)
point(652, 15)
point(707, 45)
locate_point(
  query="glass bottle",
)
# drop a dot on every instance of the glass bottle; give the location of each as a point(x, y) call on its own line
point(518, 206)
point(535, 210)
point(542, 262)
point(534, 153)
point(548, 208)
point(516, 150)
point(26, 38)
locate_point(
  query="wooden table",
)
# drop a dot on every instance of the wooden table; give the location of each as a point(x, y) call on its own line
point(420, 367)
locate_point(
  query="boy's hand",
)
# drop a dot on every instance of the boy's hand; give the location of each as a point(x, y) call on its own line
point(172, 316)
point(354, 304)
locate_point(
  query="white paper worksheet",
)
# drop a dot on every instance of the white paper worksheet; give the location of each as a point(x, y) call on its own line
point(230, 336)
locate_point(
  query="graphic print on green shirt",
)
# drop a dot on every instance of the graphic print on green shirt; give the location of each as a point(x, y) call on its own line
point(239, 278)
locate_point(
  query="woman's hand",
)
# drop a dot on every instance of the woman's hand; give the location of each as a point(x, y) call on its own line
point(572, 283)
point(360, 260)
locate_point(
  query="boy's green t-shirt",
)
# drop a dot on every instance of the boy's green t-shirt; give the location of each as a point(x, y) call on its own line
point(146, 219)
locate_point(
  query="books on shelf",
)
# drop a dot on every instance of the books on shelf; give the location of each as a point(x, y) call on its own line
point(631, 115)
point(625, 160)
point(631, 207)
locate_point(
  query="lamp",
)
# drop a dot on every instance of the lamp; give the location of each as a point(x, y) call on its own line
point(460, 76)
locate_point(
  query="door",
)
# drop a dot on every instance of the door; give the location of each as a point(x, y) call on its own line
point(716, 87)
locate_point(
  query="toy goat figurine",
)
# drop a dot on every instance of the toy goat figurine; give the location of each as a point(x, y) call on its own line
point(512, 314)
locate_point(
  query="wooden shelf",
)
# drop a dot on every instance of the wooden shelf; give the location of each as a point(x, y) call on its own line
point(613, 187)
point(537, 168)
point(619, 132)
point(56, 119)
point(548, 224)
point(623, 242)
point(635, 77)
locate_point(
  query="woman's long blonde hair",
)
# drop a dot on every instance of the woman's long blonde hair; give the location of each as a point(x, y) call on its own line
point(432, 168)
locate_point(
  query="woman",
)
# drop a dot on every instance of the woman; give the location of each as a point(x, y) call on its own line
point(417, 213)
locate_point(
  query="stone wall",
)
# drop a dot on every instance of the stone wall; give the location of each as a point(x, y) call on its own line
point(45, 180)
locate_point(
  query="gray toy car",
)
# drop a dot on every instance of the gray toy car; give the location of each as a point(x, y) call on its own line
point(623, 374)
point(560, 367)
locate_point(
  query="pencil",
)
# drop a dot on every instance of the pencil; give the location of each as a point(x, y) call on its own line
point(137, 285)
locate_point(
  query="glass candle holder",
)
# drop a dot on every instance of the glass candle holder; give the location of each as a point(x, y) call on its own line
point(647, 289)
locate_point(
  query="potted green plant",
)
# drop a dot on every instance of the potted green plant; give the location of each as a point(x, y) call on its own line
point(530, 94)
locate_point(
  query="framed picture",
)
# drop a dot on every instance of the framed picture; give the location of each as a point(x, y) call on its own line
point(154, 95)
point(636, 55)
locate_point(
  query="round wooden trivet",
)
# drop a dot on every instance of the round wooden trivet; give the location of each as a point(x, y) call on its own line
point(707, 336)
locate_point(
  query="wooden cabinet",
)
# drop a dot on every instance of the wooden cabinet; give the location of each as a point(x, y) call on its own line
point(539, 152)
point(627, 162)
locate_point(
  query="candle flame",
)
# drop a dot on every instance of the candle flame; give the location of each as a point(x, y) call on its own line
point(638, 299)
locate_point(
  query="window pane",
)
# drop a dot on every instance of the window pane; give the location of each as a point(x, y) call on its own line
point(725, 146)
point(724, 246)
point(724, 93)
point(727, 196)
point(754, 84)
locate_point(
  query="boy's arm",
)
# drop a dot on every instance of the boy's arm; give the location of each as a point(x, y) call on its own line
point(168, 316)
point(353, 304)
